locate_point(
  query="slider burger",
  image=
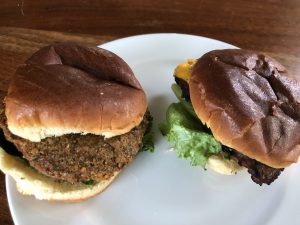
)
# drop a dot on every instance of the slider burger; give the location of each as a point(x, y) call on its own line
point(73, 117)
point(238, 109)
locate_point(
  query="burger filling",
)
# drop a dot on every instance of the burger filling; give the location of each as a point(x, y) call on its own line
point(77, 158)
point(196, 142)
point(260, 173)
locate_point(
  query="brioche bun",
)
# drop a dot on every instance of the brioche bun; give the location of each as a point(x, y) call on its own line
point(250, 103)
point(67, 88)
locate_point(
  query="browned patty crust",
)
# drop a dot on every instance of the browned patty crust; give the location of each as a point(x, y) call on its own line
point(77, 158)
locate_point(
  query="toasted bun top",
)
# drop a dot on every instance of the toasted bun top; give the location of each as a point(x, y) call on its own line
point(250, 103)
point(67, 88)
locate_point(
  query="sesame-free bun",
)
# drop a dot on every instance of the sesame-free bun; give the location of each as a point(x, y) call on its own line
point(67, 88)
point(250, 103)
point(31, 182)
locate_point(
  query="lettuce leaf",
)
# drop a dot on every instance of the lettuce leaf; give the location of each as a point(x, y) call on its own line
point(188, 135)
point(89, 182)
point(148, 144)
point(186, 105)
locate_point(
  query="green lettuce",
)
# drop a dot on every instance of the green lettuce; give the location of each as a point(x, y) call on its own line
point(148, 144)
point(186, 105)
point(192, 140)
point(89, 182)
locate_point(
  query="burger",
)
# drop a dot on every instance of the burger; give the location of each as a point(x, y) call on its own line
point(237, 109)
point(72, 118)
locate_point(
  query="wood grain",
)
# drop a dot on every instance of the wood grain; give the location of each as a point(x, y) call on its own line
point(17, 45)
point(272, 26)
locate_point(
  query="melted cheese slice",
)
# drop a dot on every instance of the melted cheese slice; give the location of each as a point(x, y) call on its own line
point(183, 70)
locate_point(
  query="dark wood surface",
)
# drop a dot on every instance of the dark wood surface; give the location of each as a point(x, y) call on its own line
point(272, 26)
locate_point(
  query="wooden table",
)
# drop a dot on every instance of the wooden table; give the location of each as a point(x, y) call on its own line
point(272, 26)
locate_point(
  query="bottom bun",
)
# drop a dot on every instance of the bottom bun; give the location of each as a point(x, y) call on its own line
point(222, 165)
point(31, 182)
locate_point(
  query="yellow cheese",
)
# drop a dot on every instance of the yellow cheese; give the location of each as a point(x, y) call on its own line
point(183, 70)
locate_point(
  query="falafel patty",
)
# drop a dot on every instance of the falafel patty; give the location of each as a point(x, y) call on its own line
point(79, 158)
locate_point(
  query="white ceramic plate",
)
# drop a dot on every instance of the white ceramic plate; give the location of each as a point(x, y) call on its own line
point(159, 188)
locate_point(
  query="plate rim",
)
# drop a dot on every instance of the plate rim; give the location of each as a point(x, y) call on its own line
point(163, 34)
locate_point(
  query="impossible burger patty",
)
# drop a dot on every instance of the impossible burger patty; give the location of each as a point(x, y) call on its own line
point(78, 158)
